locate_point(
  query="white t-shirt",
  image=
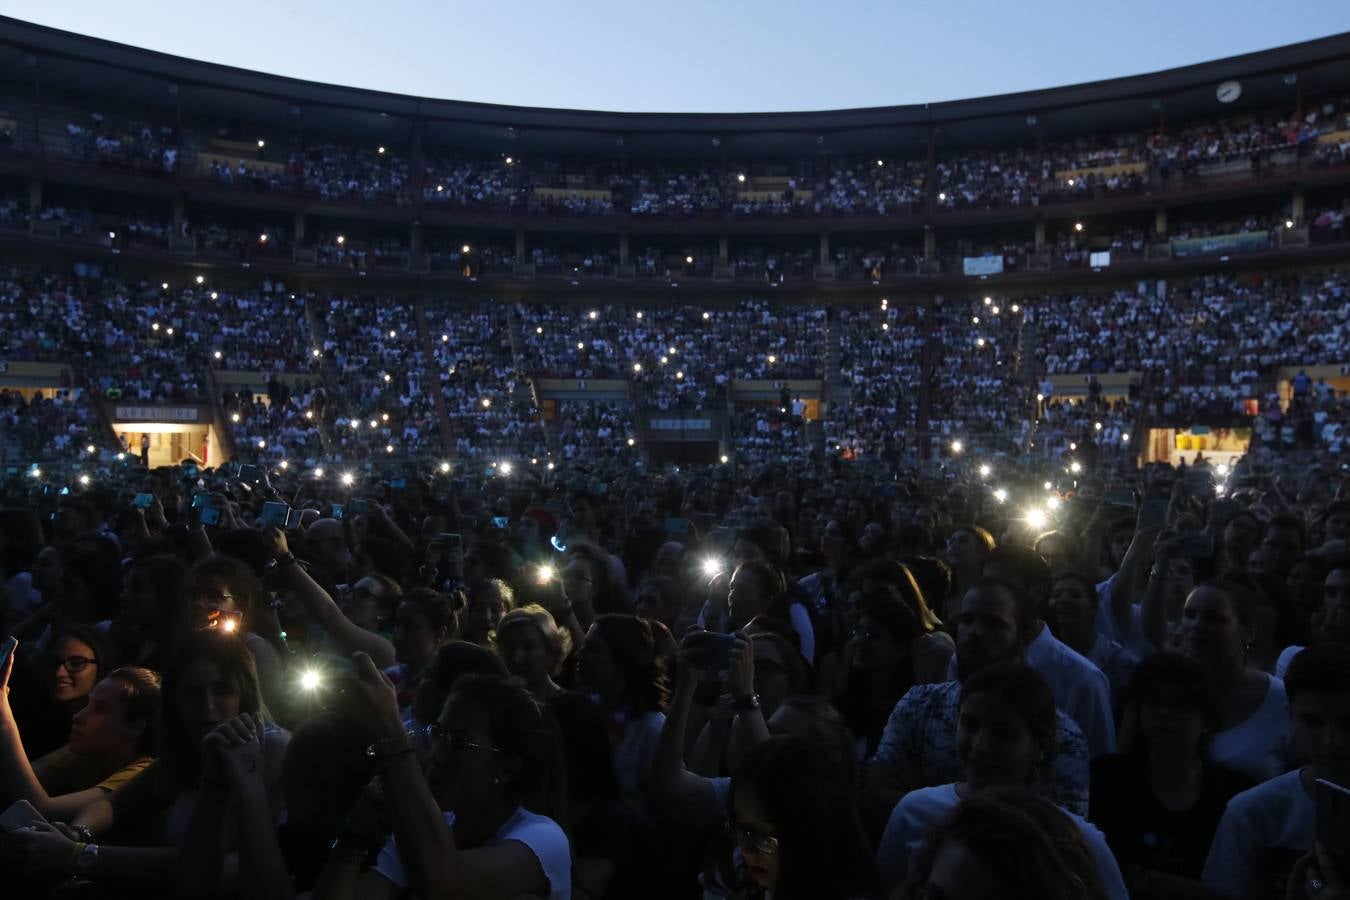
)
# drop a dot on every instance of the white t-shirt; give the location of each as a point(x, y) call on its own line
point(1262, 834)
point(540, 833)
point(1258, 747)
point(1286, 657)
point(919, 811)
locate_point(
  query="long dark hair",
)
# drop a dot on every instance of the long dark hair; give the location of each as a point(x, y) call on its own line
point(1033, 849)
point(853, 701)
point(179, 751)
point(822, 846)
point(632, 645)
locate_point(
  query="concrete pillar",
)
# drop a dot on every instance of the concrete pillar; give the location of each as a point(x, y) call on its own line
point(1040, 237)
point(35, 196)
point(623, 248)
point(1296, 207)
point(299, 228)
point(722, 250)
point(415, 237)
point(824, 248)
point(520, 245)
point(929, 245)
point(1160, 223)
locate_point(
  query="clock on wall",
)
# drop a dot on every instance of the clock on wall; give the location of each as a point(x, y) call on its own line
point(1228, 91)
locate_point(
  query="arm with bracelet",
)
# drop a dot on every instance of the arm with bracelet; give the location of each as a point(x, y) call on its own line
point(346, 633)
point(750, 728)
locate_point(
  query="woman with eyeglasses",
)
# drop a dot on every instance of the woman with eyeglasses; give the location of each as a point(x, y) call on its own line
point(54, 684)
point(1006, 732)
point(796, 826)
point(111, 738)
point(177, 803)
point(481, 823)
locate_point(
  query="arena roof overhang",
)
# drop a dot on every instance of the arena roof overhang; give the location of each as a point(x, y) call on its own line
point(67, 62)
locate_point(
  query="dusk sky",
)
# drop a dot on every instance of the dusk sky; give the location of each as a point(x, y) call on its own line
point(700, 55)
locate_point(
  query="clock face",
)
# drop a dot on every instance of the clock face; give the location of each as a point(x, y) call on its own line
point(1229, 91)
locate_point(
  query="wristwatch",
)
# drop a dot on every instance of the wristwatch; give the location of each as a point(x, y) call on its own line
point(745, 704)
point(86, 859)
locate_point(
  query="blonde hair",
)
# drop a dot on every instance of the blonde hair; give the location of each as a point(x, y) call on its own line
point(557, 639)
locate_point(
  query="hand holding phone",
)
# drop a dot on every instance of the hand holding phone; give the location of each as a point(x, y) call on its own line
point(20, 815)
point(274, 512)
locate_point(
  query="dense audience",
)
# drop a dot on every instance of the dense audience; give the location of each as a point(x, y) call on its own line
point(890, 668)
point(932, 632)
point(1022, 176)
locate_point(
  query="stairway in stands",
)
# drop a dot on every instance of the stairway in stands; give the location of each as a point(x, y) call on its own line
point(514, 324)
point(431, 380)
point(328, 370)
point(836, 392)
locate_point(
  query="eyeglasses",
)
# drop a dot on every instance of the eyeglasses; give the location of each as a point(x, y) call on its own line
point(456, 742)
point(865, 634)
point(752, 839)
point(74, 664)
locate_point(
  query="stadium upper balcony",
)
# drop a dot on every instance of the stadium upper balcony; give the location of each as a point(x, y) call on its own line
point(69, 102)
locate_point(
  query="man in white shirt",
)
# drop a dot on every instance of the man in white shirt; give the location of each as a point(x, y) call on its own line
point(1081, 689)
point(1264, 831)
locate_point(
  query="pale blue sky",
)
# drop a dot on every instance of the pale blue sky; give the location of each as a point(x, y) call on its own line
point(697, 55)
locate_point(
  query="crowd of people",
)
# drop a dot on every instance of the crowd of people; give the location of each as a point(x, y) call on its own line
point(821, 678)
point(887, 184)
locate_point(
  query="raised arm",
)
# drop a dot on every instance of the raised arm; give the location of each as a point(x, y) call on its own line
point(321, 607)
point(681, 795)
point(1125, 587)
point(436, 866)
point(18, 781)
